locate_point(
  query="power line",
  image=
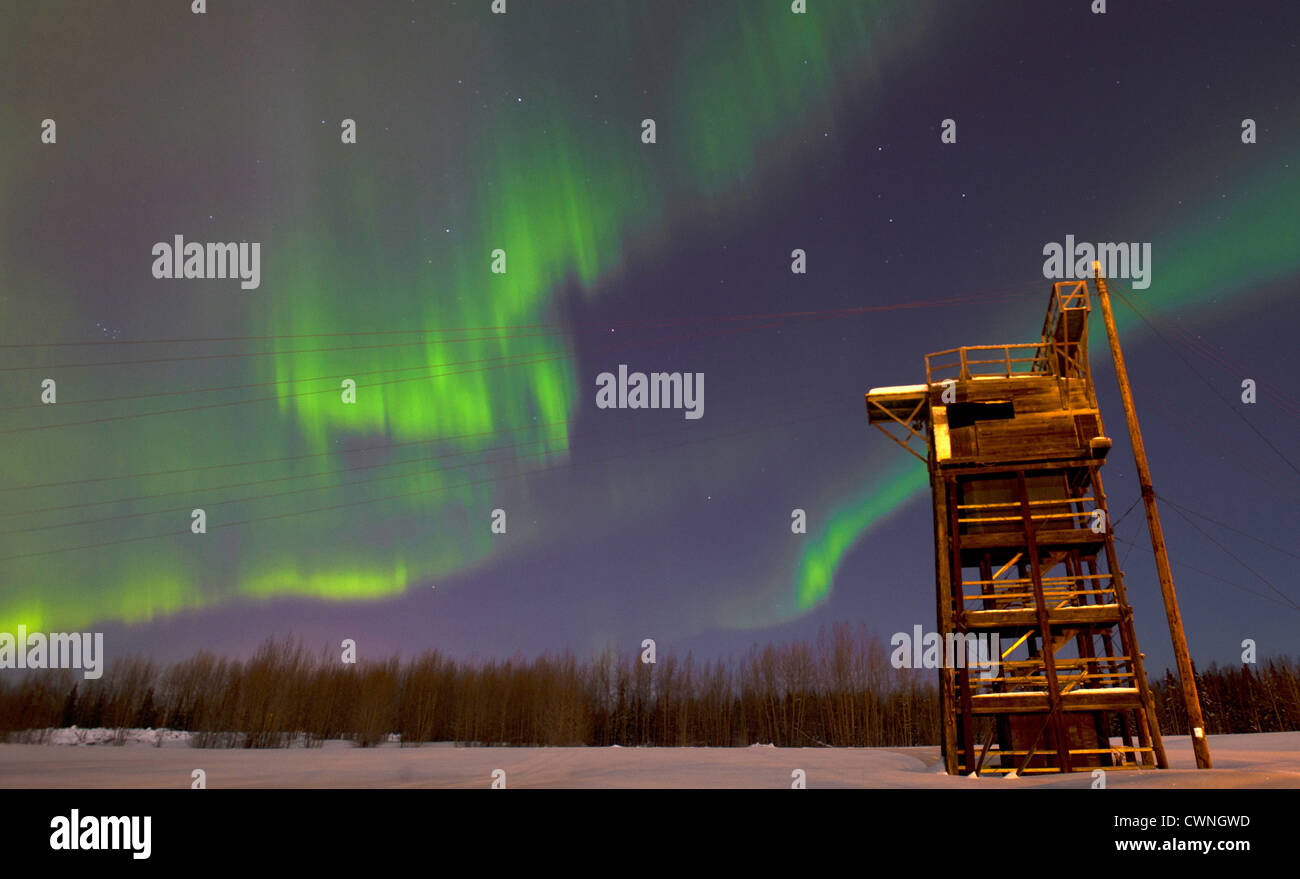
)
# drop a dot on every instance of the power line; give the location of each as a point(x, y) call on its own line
point(352, 374)
point(1204, 380)
point(188, 358)
point(655, 324)
point(1228, 527)
point(277, 494)
point(1199, 346)
point(258, 462)
point(275, 336)
point(1115, 524)
point(542, 357)
point(805, 316)
point(1181, 564)
point(285, 381)
point(1239, 561)
point(809, 316)
point(1261, 467)
point(200, 407)
point(346, 504)
point(293, 476)
point(649, 323)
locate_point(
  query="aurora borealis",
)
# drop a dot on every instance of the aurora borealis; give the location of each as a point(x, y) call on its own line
point(475, 390)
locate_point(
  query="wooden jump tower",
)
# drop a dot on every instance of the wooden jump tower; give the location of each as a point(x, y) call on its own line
point(1023, 550)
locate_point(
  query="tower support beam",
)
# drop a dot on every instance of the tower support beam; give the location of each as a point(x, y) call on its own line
point(1186, 675)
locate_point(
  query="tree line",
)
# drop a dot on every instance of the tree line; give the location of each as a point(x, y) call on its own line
point(838, 690)
point(1264, 697)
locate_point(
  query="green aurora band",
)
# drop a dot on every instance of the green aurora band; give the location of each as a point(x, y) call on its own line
point(570, 211)
point(565, 210)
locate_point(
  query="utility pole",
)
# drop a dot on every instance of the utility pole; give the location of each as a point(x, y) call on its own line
point(1186, 677)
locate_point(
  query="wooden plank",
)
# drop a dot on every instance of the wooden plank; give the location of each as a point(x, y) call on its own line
point(1089, 614)
point(1082, 537)
point(943, 577)
point(1121, 699)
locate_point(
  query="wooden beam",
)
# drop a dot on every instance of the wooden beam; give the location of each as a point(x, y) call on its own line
point(1186, 675)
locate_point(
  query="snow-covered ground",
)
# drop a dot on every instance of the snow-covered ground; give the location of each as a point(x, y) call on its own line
point(89, 759)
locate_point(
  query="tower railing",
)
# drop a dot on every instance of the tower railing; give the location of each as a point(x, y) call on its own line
point(970, 361)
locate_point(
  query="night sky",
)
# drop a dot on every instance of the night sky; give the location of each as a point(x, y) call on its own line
point(476, 391)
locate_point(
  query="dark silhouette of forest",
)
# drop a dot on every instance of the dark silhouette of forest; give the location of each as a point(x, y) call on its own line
point(838, 690)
